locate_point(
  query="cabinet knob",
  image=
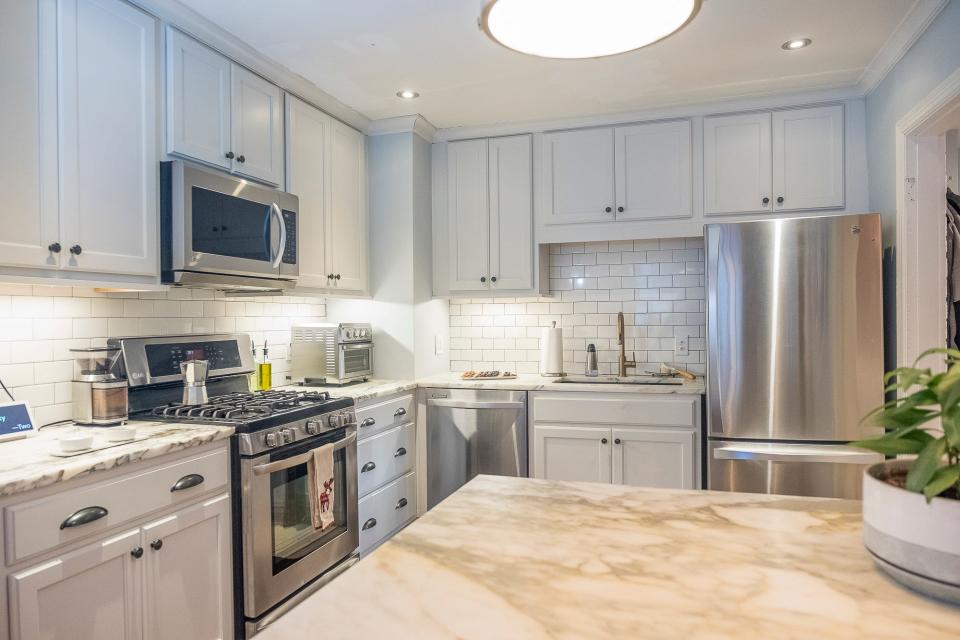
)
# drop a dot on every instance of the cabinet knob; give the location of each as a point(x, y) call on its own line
point(137, 552)
point(616, 441)
point(779, 199)
point(229, 155)
point(76, 249)
point(240, 158)
point(483, 279)
point(54, 247)
point(157, 544)
point(619, 209)
point(603, 440)
point(493, 279)
point(608, 209)
point(336, 277)
point(329, 276)
point(765, 200)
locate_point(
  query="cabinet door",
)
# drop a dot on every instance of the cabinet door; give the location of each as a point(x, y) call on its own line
point(736, 163)
point(572, 453)
point(469, 215)
point(578, 176)
point(654, 165)
point(307, 173)
point(28, 129)
point(257, 126)
point(808, 158)
point(188, 575)
point(511, 213)
point(108, 137)
point(655, 457)
point(347, 218)
point(198, 101)
point(93, 593)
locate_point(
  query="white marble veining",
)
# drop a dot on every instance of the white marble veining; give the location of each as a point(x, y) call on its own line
point(518, 558)
point(28, 464)
point(360, 391)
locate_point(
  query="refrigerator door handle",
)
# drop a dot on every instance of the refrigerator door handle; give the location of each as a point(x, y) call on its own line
point(835, 454)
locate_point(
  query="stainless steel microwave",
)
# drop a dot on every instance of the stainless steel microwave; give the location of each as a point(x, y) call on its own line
point(223, 232)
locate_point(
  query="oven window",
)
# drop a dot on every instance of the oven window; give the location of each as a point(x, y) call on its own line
point(293, 534)
point(225, 225)
point(356, 360)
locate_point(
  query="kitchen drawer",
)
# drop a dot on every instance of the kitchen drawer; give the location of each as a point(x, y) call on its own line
point(37, 526)
point(386, 510)
point(386, 456)
point(618, 409)
point(381, 416)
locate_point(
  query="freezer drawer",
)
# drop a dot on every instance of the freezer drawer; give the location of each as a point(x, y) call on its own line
point(826, 471)
point(470, 432)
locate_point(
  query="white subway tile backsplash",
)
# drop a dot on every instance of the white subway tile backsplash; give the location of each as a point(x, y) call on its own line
point(657, 284)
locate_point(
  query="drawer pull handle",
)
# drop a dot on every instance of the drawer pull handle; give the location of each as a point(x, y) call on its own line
point(369, 524)
point(368, 422)
point(83, 516)
point(400, 452)
point(370, 466)
point(401, 503)
point(399, 412)
point(186, 482)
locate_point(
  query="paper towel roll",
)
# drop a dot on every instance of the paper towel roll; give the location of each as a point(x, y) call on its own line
point(551, 351)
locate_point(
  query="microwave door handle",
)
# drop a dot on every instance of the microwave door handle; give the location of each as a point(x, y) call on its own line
point(286, 463)
point(275, 211)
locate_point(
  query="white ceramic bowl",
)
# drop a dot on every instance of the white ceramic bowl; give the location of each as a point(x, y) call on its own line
point(121, 433)
point(76, 441)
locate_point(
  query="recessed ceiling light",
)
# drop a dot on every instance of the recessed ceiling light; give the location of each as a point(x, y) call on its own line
point(583, 28)
point(798, 43)
point(407, 94)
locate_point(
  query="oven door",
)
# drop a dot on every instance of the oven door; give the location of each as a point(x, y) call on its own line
point(281, 550)
point(356, 360)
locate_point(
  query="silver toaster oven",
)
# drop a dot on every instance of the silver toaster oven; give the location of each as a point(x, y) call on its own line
point(331, 353)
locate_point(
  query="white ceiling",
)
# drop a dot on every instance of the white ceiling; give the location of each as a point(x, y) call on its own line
point(363, 51)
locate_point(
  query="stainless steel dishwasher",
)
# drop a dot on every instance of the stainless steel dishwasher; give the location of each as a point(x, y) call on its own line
point(473, 431)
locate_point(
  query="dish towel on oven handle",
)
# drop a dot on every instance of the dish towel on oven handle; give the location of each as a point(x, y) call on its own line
point(322, 494)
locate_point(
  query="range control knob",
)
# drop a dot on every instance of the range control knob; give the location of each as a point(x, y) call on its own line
point(334, 420)
point(287, 436)
point(312, 427)
point(270, 440)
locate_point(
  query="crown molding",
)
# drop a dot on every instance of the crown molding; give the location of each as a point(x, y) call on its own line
point(174, 13)
point(918, 18)
point(414, 123)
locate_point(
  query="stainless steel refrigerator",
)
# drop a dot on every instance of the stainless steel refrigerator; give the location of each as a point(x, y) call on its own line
point(794, 353)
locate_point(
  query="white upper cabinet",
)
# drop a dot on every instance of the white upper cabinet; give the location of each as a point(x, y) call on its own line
point(808, 158)
point(511, 213)
point(108, 137)
point(346, 226)
point(28, 128)
point(307, 173)
point(469, 220)
point(257, 125)
point(654, 170)
point(198, 101)
point(222, 114)
point(736, 163)
point(578, 181)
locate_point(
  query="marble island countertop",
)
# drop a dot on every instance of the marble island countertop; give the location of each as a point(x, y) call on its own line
point(29, 463)
point(519, 558)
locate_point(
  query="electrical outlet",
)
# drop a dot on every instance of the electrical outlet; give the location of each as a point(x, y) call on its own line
point(438, 345)
point(682, 346)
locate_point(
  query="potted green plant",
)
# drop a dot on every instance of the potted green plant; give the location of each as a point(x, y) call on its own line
point(911, 508)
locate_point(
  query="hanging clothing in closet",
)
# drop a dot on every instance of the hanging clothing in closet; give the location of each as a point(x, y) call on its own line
point(953, 269)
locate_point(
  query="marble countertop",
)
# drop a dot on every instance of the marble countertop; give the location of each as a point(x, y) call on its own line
point(519, 558)
point(360, 391)
point(531, 382)
point(29, 464)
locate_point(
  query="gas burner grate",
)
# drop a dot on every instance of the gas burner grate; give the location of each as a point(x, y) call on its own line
point(241, 406)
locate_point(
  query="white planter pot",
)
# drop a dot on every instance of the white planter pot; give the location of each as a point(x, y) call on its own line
point(917, 543)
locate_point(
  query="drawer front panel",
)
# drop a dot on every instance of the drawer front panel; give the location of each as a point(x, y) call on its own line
point(40, 525)
point(621, 409)
point(385, 457)
point(387, 509)
point(379, 417)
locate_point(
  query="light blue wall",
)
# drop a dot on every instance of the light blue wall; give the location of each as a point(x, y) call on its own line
point(931, 59)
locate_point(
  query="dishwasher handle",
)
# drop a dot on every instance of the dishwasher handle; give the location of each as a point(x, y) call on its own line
point(474, 404)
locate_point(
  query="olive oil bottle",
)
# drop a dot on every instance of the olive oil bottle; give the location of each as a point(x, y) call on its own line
point(265, 370)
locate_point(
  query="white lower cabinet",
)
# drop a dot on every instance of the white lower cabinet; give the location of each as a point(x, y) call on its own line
point(617, 438)
point(386, 510)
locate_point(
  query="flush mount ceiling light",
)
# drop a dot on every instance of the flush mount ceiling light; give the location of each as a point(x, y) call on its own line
point(583, 28)
point(798, 43)
point(407, 94)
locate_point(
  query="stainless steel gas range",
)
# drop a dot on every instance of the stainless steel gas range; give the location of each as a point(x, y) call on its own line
point(279, 557)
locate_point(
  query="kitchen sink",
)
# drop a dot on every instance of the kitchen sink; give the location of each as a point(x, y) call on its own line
point(642, 380)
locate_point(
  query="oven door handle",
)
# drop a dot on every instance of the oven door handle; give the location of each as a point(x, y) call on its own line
point(275, 211)
point(286, 463)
